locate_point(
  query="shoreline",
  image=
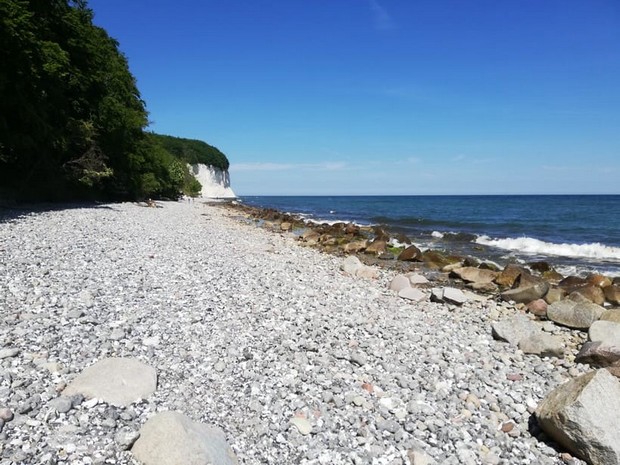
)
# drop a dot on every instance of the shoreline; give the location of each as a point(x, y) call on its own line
point(294, 359)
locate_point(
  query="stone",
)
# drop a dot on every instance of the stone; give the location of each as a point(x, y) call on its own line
point(171, 438)
point(286, 226)
point(437, 260)
point(61, 404)
point(351, 264)
point(302, 424)
point(376, 247)
point(411, 293)
point(613, 314)
point(410, 254)
point(117, 381)
point(607, 332)
point(399, 282)
point(593, 294)
point(418, 457)
point(515, 329)
point(524, 295)
point(598, 354)
point(542, 344)
point(570, 283)
point(475, 275)
point(552, 276)
point(8, 353)
point(6, 414)
point(612, 294)
point(416, 279)
point(454, 296)
point(578, 315)
point(555, 294)
point(582, 416)
point(126, 438)
point(509, 275)
point(598, 280)
point(538, 307)
point(355, 246)
point(367, 272)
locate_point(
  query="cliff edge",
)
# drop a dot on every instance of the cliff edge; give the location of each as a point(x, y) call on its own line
point(215, 181)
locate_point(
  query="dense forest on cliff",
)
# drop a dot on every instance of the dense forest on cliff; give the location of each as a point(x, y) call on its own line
point(72, 121)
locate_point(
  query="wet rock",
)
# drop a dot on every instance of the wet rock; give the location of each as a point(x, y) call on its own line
point(437, 260)
point(582, 416)
point(570, 283)
point(593, 294)
point(612, 294)
point(410, 254)
point(376, 247)
point(509, 275)
point(355, 246)
point(598, 280)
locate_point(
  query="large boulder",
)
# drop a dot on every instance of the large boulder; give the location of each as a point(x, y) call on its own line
point(578, 315)
point(597, 354)
point(355, 246)
point(117, 381)
point(171, 438)
point(524, 295)
point(607, 332)
point(471, 274)
point(542, 344)
point(376, 247)
point(612, 314)
point(612, 294)
point(509, 275)
point(582, 415)
point(514, 329)
point(410, 254)
point(591, 293)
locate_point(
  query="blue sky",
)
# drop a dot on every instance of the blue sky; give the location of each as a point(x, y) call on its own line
point(385, 96)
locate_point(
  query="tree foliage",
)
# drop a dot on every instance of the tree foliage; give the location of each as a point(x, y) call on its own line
point(193, 151)
point(72, 122)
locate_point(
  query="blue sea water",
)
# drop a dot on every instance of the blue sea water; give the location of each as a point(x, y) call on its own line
point(577, 233)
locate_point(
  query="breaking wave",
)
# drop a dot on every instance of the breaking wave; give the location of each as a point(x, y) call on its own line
point(535, 246)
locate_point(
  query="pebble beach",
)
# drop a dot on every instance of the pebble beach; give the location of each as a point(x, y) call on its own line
point(294, 360)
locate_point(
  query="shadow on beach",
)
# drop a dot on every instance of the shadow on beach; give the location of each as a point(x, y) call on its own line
point(13, 211)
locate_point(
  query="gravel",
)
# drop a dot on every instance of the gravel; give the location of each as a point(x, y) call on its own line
point(298, 362)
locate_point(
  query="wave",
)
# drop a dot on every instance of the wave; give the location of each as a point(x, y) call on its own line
point(535, 246)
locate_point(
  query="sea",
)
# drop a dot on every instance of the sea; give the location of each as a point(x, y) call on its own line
point(577, 234)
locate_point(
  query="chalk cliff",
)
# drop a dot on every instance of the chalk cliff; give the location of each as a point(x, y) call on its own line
point(215, 182)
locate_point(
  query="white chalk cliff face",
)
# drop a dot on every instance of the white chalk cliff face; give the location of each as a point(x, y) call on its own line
point(215, 182)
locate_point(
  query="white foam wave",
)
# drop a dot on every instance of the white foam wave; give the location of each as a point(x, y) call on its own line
point(437, 234)
point(536, 246)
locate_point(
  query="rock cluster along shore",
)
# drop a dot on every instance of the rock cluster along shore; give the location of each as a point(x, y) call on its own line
point(159, 335)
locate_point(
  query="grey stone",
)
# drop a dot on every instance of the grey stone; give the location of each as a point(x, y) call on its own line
point(543, 344)
point(351, 264)
point(607, 332)
point(411, 293)
point(524, 295)
point(583, 414)
point(515, 329)
point(8, 353)
point(578, 315)
point(117, 381)
point(454, 296)
point(171, 438)
point(126, 438)
point(399, 283)
point(61, 404)
point(416, 279)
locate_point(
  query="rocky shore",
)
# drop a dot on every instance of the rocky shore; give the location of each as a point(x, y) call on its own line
point(147, 335)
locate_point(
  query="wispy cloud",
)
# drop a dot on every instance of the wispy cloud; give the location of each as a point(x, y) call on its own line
point(382, 20)
point(323, 166)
